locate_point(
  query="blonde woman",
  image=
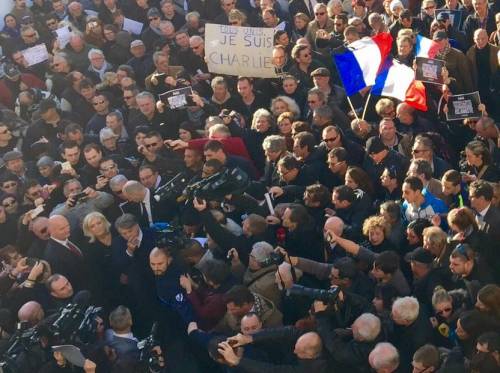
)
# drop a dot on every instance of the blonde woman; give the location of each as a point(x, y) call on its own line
point(281, 104)
point(262, 126)
point(97, 229)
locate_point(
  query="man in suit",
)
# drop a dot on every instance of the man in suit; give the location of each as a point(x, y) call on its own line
point(130, 267)
point(487, 216)
point(142, 204)
point(64, 256)
point(121, 339)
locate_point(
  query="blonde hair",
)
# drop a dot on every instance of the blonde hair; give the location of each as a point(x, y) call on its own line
point(86, 224)
point(376, 222)
point(290, 102)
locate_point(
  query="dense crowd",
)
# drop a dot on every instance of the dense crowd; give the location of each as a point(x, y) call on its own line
point(265, 225)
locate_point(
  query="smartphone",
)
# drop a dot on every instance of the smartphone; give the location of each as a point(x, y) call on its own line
point(31, 261)
point(37, 211)
point(79, 196)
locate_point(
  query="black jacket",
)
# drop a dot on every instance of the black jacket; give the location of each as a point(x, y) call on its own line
point(64, 262)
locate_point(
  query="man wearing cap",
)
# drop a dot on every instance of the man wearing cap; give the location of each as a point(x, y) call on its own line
point(378, 157)
point(141, 62)
point(444, 22)
point(425, 276)
point(47, 128)
point(14, 163)
point(152, 33)
point(336, 97)
point(455, 62)
point(14, 82)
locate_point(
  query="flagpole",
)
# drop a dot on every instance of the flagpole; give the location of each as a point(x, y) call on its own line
point(366, 104)
point(352, 107)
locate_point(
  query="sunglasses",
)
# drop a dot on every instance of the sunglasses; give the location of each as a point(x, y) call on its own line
point(332, 139)
point(444, 310)
point(320, 14)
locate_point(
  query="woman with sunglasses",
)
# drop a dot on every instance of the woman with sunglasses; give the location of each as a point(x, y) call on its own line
point(446, 312)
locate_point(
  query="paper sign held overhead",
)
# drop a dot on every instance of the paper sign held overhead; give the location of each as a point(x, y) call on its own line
point(236, 50)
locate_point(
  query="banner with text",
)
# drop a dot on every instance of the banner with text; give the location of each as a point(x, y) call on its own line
point(238, 50)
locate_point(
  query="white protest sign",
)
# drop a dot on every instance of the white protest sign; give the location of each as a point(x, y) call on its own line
point(63, 36)
point(134, 27)
point(236, 50)
point(36, 54)
point(91, 13)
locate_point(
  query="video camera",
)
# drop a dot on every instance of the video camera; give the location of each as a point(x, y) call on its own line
point(173, 189)
point(75, 324)
point(273, 259)
point(149, 355)
point(326, 296)
point(217, 186)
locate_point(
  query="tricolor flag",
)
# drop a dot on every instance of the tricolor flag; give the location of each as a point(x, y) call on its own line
point(359, 63)
point(398, 80)
point(425, 47)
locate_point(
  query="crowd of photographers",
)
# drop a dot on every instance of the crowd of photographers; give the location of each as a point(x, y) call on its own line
point(262, 226)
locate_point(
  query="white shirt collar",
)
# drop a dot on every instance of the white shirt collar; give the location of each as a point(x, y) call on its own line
point(485, 211)
point(64, 243)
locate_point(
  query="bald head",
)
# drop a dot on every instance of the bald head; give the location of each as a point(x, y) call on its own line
point(159, 260)
point(40, 227)
point(308, 346)
point(134, 191)
point(334, 224)
point(59, 227)
point(31, 312)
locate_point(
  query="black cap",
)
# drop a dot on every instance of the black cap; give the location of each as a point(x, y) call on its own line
point(11, 71)
point(375, 145)
point(406, 14)
point(46, 104)
point(439, 35)
point(419, 255)
point(320, 71)
point(443, 16)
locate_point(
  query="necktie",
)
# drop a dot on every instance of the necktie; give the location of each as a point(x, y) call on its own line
point(144, 213)
point(311, 9)
point(75, 250)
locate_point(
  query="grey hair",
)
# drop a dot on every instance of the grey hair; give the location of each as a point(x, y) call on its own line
point(318, 92)
point(106, 133)
point(95, 51)
point(133, 187)
point(157, 55)
point(196, 38)
point(126, 221)
point(117, 114)
point(117, 181)
point(324, 111)
point(261, 113)
point(145, 94)
point(217, 81)
point(384, 356)
point(407, 308)
point(274, 143)
point(67, 182)
point(86, 224)
point(292, 105)
point(192, 14)
point(368, 327)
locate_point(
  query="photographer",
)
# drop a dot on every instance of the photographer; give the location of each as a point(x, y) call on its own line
point(259, 277)
point(308, 350)
point(350, 347)
point(254, 230)
point(207, 294)
point(240, 301)
point(81, 202)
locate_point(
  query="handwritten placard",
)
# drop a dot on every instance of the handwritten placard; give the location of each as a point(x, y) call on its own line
point(36, 54)
point(237, 50)
point(134, 27)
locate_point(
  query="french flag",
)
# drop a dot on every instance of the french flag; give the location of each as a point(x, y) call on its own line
point(425, 47)
point(398, 81)
point(359, 63)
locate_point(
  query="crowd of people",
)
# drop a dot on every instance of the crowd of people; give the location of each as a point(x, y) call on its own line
point(266, 225)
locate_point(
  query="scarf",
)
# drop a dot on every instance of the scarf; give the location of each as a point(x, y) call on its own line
point(100, 71)
point(157, 31)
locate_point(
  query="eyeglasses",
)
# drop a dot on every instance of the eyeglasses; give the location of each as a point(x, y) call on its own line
point(448, 309)
point(418, 151)
point(151, 145)
point(332, 139)
point(320, 14)
point(98, 103)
